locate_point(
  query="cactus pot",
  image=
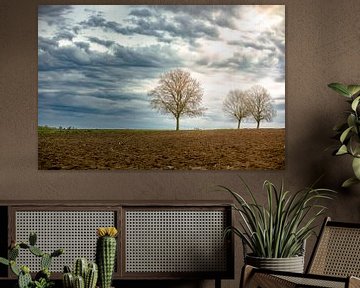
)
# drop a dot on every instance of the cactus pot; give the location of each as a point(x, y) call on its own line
point(291, 264)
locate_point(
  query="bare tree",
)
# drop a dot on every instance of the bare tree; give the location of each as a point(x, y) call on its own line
point(260, 104)
point(178, 94)
point(236, 105)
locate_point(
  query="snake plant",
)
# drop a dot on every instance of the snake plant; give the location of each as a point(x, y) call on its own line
point(279, 228)
point(349, 131)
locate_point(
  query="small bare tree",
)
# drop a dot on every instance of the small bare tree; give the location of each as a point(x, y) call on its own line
point(260, 104)
point(236, 105)
point(178, 94)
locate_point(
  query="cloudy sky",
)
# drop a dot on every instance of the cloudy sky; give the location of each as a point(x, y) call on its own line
point(97, 63)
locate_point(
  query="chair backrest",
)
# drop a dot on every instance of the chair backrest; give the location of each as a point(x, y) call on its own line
point(337, 251)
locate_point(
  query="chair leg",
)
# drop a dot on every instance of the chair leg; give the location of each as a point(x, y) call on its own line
point(217, 283)
point(246, 273)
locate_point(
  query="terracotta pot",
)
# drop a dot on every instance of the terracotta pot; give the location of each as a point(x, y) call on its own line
point(291, 264)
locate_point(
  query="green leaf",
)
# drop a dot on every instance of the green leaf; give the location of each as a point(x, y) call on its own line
point(353, 89)
point(340, 88)
point(351, 120)
point(356, 167)
point(345, 134)
point(32, 238)
point(4, 261)
point(14, 268)
point(355, 103)
point(342, 150)
point(340, 127)
point(349, 182)
point(354, 145)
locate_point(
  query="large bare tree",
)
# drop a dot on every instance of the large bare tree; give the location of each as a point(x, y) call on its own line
point(178, 94)
point(260, 104)
point(236, 105)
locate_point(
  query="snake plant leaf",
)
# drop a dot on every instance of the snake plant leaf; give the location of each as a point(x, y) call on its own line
point(342, 150)
point(353, 89)
point(278, 228)
point(356, 167)
point(355, 103)
point(349, 182)
point(341, 89)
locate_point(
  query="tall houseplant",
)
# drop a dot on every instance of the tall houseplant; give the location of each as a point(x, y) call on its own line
point(349, 131)
point(279, 229)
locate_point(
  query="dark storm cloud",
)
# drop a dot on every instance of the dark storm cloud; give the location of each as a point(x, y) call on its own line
point(149, 23)
point(64, 35)
point(98, 21)
point(93, 111)
point(53, 57)
point(141, 12)
point(53, 14)
point(77, 81)
point(105, 43)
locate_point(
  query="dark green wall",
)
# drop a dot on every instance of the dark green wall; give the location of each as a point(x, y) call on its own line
point(322, 46)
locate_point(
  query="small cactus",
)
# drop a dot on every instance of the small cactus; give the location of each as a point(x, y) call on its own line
point(45, 261)
point(13, 253)
point(79, 282)
point(14, 268)
point(91, 276)
point(36, 251)
point(57, 252)
point(106, 254)
point(68, 280)
point(88, 273)
point(44, 273)
point(80, 267)
point(32, 238)
point(24, 278)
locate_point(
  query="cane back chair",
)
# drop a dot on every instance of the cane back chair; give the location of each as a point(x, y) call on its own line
point(335, 262)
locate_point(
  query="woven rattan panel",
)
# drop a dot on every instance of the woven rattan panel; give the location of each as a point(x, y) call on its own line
point(338, 253)
point(175, 241)
point(75, 231)
point(311, 282)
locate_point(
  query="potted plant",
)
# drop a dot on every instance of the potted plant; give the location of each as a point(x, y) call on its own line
point(276, 233)
point(42, 278)
point(349, 131)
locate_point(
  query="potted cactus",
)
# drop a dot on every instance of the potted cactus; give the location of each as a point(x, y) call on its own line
point(84, 275)
point(106, 254)
point(42, 278)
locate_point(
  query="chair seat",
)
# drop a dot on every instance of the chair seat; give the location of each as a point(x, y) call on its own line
point(315, 282)
point(267, 279)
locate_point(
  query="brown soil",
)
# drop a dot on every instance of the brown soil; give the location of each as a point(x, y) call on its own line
point(166, 150)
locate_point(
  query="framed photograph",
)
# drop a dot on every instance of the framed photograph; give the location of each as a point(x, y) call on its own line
point(161, 87)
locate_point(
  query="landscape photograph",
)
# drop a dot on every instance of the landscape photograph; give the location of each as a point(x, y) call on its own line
point(161, 87)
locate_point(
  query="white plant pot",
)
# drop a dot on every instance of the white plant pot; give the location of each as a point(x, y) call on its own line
point(291, 264)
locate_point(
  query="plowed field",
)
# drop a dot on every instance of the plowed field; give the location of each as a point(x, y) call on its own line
point(163, 150)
